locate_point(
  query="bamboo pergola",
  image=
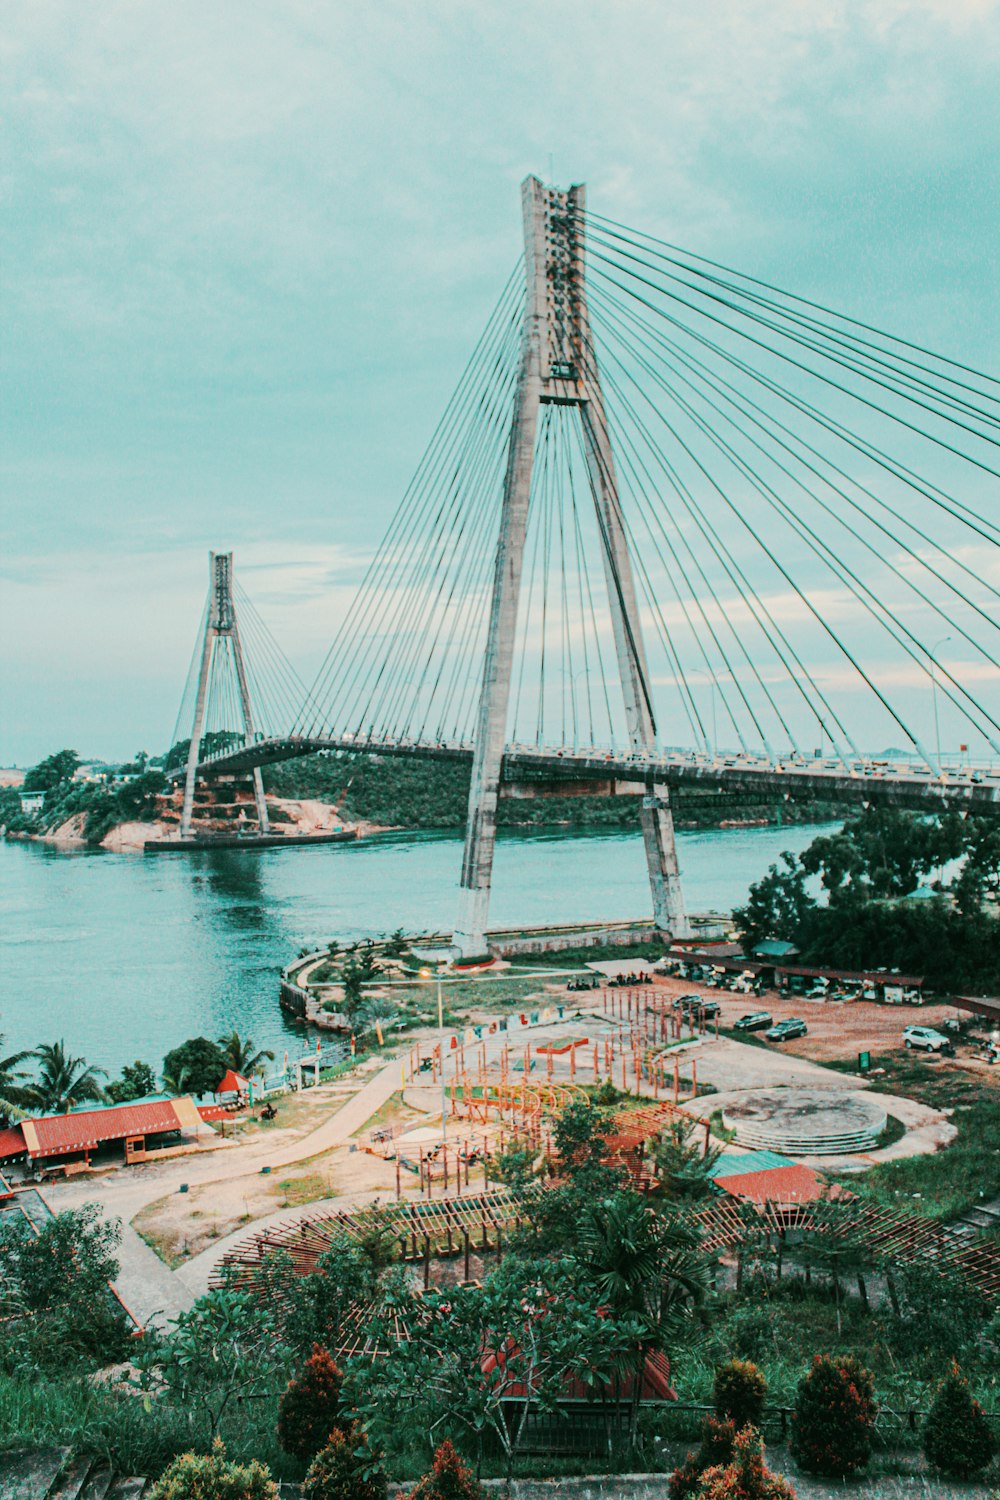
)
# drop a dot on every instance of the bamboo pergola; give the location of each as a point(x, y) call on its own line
point(887, 1235)
point(421, 1230)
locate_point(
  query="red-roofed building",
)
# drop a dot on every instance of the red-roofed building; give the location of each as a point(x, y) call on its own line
point(794, 1184)
point(655, 1382)
point(51, 1137)
point(581, 1407)
point(12, 1143)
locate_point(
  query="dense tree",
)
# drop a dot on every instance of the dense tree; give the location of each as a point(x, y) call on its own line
point(197, 1065)
point(61, 1081)
point(52, 772)
point(979, 877)
point(745, 1476)
point(221, 1351)
point(58, 1310)
point(867, 870)
point(581, 1138)
point(526, 1331)
point(683, 1162)
point(718, 1439)
point(778, 905)
point(881, 852)
point(136, 1081)
point(739, 1391)
point(313, 1310)
point(646, 1266)
point(344, 1470)
point(448, 1479)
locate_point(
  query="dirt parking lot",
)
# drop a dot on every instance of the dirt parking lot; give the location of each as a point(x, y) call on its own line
point(836, 1031)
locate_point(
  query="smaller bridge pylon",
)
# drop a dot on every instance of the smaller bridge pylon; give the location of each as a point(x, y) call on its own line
point(221, 632)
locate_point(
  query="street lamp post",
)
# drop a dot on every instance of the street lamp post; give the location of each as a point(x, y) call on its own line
point(444, 1099)
point(934, 699)
point(715, 727)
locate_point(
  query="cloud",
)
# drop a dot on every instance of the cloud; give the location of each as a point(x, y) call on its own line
point(248, 248)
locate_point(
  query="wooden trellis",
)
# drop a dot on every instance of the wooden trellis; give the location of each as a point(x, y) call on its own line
point(886, 1234)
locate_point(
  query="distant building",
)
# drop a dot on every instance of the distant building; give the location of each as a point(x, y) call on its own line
point(94, 770)
point(32, 802)
point(773, 949)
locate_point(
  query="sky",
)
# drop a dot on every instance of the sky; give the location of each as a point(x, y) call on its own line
point(247, 248)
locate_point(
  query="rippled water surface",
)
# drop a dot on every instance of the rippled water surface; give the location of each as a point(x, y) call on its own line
point(126, 955)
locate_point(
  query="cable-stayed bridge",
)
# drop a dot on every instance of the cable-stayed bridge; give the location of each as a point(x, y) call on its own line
point(675, 525)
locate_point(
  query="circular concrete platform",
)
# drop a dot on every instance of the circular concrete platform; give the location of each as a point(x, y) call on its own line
point(806, 1122)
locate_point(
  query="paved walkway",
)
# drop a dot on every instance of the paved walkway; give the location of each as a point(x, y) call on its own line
point(146, 1285)
point(151, 1289)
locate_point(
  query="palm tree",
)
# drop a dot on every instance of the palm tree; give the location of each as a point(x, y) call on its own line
point(11, 1078)
point(62, 1081)
point(238, 1053)
point(647, 1264)
point(683, 1164)
point(176, 1083)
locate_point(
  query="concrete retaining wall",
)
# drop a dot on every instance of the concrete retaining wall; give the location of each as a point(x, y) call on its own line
point(573, 1487)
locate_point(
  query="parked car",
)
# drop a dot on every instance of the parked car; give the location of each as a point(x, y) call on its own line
point(926, 1039)
point(783, 1031)
point(754, 1020)
point(698, 1005)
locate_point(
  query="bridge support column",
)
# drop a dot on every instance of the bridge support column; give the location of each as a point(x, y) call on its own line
point(669, 912)
point(559, 366)
point(491, 722)
point(220, 624)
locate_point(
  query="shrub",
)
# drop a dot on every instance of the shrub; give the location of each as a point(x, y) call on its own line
point(740, 1391)
point(957, 1438)
point(746, 1476)
point(210, 1476)
point(834, 1411)
point(717, 1442)
point(449, 1479)
point(310, 1407)
point(344, 1470)
point(58, 1312)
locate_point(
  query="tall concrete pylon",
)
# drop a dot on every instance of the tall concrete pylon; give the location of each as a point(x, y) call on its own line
point(559, 366)
point(220, 624)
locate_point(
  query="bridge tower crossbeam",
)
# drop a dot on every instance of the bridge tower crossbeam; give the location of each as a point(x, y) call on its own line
point(559, 366)
point(221, 623)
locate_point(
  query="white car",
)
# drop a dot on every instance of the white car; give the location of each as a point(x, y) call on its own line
point(926, 1039)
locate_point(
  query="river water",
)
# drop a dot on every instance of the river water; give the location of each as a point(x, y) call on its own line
point(124, 956)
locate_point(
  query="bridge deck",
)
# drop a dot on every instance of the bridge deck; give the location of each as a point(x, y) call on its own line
point(902, 783)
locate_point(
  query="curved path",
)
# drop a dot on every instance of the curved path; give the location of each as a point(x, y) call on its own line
point(154, 1292)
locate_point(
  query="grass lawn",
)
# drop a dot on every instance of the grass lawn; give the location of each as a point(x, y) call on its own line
point(958, 1176)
